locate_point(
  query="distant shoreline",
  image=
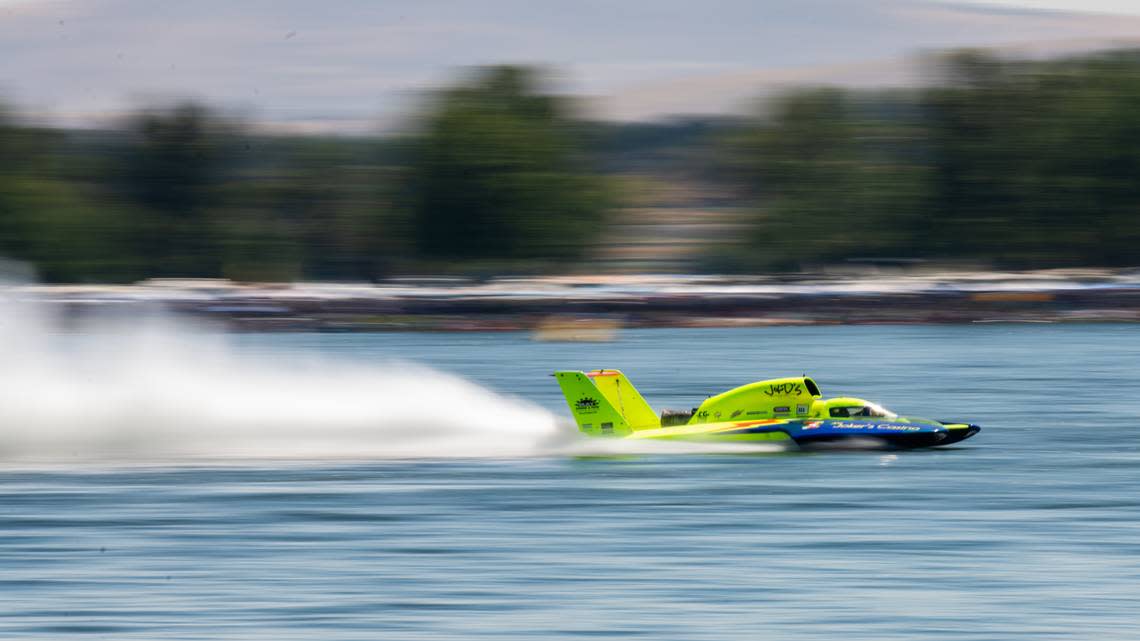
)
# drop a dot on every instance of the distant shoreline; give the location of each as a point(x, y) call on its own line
point(568, 303)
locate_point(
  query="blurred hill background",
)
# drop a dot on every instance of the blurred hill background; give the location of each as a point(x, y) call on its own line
point(1007, 157)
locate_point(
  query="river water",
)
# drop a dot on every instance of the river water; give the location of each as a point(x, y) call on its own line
point(166, 484)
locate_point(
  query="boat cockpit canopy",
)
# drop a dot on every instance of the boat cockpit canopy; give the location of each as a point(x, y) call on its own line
point(856, 408)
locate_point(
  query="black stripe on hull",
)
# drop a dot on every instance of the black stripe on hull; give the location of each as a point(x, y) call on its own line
point(893, 441)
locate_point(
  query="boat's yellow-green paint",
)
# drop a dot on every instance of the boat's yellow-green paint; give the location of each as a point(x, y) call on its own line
point(719, 431)
point(605, 403)
point(624, 397)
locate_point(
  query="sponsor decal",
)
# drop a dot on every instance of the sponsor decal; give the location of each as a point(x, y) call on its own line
point(844, 425)
point(757, 412)
point(736, 413)
point(784, 389)
point(875, 426)
point(811, 425)
point(900, 428)
point(801, 409)
point(783, 409)
point(586, 405)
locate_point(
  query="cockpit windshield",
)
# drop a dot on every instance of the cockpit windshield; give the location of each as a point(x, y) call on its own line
point(858, 411)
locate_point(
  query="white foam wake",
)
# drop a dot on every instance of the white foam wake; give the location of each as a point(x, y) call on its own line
point(160, 389)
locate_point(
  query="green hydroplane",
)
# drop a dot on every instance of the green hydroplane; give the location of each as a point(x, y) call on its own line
point(789, 410)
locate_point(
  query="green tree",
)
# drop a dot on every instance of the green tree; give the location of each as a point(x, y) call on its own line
point(1014, 163)
point(498, 173)
point(173, 167)
point(317, 212)
point(50, 221)
point(1035, 162)
point(830, 179)
point(19, 155)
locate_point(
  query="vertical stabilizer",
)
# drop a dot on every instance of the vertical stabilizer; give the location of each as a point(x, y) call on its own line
point(590, 407)
point(625, 398)
point(604, 402)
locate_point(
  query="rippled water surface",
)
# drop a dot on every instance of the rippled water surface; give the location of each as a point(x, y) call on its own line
point(1031, 530)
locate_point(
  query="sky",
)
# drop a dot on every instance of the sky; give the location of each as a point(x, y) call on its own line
point(361, 64)
point(1123, 7)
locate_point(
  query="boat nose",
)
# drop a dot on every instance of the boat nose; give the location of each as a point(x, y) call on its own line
point(960, 432)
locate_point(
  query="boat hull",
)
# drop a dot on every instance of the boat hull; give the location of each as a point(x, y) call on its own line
point(894, 433)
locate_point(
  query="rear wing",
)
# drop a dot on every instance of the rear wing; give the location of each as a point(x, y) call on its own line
point(604, 402)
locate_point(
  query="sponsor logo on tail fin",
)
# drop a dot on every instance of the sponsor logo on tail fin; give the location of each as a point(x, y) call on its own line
point(586, 404)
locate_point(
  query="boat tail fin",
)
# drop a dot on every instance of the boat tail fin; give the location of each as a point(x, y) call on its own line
point(603, 402)
point(625, 397)
point(591, 408)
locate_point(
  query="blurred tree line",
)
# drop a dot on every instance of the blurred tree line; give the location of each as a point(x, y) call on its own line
point(185, 192)
point(1020, 164)
point(494, 173)
point(1003, 162)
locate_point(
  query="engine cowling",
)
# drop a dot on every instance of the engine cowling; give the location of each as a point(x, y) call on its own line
point(774, 398)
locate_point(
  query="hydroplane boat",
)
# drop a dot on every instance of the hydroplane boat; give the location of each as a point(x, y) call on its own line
point(789, 410)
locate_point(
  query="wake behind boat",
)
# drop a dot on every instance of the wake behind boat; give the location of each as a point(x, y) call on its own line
point(605, 403)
